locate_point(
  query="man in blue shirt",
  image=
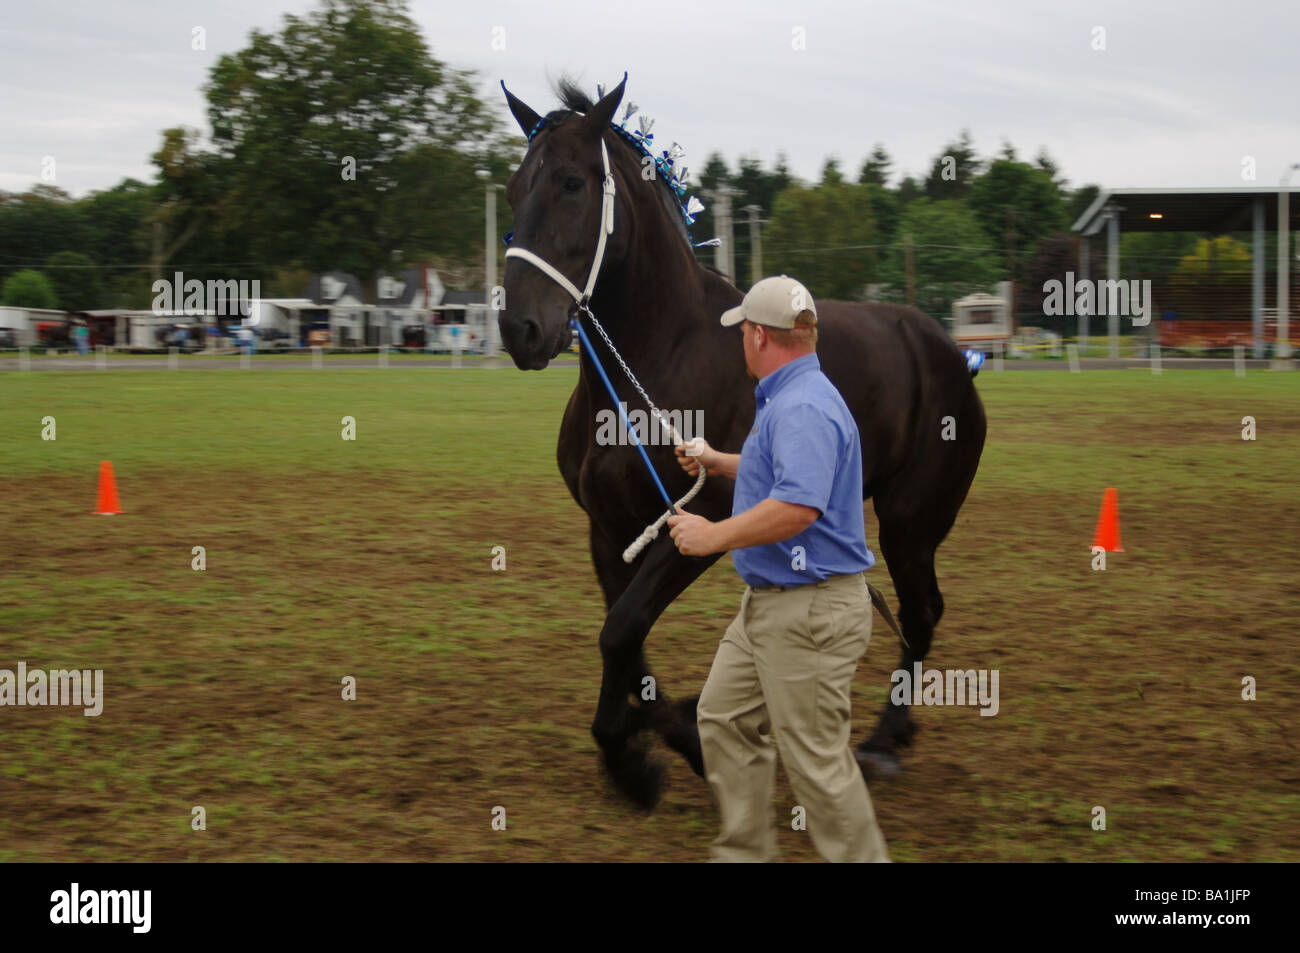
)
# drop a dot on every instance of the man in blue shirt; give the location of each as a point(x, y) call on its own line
point(782, 676)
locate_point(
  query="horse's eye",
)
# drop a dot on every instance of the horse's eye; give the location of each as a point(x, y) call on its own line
point(573, 184)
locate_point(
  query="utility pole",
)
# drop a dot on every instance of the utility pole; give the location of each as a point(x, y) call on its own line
point(755, 246)
point(909, 269)
point(1011, 261)
point(723, 257)
point(1112, 274)
point(490, 331)
point(1282, 353)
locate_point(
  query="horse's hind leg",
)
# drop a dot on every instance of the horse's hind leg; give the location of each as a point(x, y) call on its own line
point(911, 566)
point(915, 514)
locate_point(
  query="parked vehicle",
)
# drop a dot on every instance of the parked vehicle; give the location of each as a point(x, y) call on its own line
point(981, 321)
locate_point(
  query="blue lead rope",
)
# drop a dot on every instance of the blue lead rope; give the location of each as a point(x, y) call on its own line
point(588, 349)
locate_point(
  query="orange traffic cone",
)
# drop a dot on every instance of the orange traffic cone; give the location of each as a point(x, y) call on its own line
point(1107, 535)
point(108, 504)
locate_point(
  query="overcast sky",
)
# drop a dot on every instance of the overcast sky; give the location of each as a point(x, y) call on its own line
point(1182, 92)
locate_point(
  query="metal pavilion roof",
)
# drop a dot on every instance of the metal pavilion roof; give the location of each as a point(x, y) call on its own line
point(1213, 211)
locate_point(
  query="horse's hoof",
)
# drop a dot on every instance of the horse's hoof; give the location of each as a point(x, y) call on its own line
point(878, 765)
point(687, 744)
point(637, 778)
point(684, 736)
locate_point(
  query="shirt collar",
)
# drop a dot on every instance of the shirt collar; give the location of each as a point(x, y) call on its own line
point(770, 385)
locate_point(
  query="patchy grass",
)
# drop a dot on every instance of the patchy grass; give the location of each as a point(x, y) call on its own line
point(327, 558)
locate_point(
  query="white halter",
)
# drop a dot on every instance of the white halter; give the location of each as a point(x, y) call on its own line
point(606, 229)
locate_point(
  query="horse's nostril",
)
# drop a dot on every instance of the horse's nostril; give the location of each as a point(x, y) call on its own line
point(532, 334)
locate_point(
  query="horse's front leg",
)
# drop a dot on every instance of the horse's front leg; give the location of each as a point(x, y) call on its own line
point(663, 575)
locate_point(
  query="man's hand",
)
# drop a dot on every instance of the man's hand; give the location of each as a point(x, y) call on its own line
point(692, 461)
point(716, 462)
point(693, 535)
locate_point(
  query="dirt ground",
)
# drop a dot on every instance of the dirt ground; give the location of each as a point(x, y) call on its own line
point(475, 689)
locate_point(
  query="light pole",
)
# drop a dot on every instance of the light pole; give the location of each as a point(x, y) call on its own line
point(755, 245)
point(1283, 350)
point(490, 257)
point(723, 256)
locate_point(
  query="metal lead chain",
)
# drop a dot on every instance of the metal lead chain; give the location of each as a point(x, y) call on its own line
point(654, 411)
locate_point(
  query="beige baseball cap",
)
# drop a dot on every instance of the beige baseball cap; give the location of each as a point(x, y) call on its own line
point(773, 301)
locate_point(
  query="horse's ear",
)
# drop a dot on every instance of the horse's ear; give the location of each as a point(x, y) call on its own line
point(600, 115)
point(523, 114)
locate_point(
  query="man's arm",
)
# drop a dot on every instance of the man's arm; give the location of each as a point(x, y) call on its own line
point(804, 458)
point(771, 521)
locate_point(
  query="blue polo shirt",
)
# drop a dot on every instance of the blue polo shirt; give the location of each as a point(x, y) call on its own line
point(803, 449)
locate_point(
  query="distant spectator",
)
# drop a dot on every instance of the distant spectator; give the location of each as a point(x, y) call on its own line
point(81, 334)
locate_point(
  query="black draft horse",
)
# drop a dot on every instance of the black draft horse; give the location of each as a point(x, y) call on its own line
point(897, 369)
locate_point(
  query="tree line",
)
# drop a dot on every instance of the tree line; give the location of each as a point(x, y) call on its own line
point(967, 224)
point(338, 142)
point(341, 142)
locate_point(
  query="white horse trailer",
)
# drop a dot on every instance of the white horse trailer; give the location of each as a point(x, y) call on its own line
point(982, 322)
point(21, 324)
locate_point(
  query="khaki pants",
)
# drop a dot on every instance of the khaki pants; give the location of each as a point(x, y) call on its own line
point(780, 682)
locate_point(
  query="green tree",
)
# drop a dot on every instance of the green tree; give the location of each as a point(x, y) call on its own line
point(1045, 162)
point(315, 123)
point(950, 256)
point(75, 278)
point(1212, 281)
point(1153, 254)
point(36, 224)
point(759, 186)
point(876, 169)
point(886, 209)
point(1015, 202)
point(29, 289)
point(1221, 260)
point(188, 189)
point(118, 222)
point(908, 189)
point(438, 177)
point(954, 170)
point(825, 236)
point(1080, 200)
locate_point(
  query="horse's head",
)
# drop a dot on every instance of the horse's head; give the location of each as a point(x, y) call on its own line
point(557, 194)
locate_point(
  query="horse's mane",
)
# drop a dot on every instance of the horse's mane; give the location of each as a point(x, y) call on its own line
point(719, 274)
point(575, 101)
point(572, 96)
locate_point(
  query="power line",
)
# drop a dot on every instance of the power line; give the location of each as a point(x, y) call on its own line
point(6, 261)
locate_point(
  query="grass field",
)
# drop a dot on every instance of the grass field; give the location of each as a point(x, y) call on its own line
point(372, 558)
